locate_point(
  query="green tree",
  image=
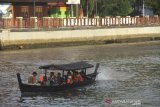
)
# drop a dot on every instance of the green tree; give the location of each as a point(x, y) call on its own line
point(114, 8)
point(137, 7)
point(155, 5)
point(91, 7)
point(88, 7)
point(84, 7)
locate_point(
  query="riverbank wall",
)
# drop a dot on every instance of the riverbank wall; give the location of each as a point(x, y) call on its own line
point(23, 39)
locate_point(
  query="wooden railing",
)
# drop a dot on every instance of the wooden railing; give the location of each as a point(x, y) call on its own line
point(48, 22)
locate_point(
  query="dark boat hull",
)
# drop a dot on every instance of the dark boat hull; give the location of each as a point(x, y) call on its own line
point(90, 79)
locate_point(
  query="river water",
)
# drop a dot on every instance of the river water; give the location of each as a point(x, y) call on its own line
point(129, 76)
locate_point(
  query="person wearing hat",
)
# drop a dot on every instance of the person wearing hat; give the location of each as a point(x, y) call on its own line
point(32, 78)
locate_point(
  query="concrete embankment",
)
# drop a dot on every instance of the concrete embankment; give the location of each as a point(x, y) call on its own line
point(37, 39)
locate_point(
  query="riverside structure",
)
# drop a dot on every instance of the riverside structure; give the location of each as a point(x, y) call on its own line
point(50, 22)
point(51, 32)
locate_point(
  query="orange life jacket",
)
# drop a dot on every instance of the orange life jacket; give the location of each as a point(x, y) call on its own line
point(41, 78)
point(68, 81)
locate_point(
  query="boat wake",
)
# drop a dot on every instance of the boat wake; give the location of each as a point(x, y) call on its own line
point(104, 74)
point(112, 74)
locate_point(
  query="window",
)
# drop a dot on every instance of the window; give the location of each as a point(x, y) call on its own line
point(39, 9)
point(25, 11)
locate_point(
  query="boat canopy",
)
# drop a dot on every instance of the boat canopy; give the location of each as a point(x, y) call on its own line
point(68, 67)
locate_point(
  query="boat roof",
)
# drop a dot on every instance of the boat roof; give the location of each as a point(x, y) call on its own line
point(68, 67)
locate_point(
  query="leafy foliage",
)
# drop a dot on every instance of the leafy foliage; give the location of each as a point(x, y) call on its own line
point(90, 4)
point(155, 5)
point(114, 8)
point(118, 7)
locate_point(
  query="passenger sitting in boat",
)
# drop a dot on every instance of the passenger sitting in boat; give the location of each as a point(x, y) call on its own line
point(64, 79)
point(68, 74)
point(82, 73)
point(69, 78)
point(59, 79)
point(41, 79)
point(32, 79)
point(80, 78)
point(46, 81)
point(52, 78)
point(75, 77)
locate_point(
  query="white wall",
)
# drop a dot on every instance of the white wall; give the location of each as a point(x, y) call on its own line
point(6, 35)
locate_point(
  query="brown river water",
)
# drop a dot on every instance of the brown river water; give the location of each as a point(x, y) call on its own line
point(129, 76)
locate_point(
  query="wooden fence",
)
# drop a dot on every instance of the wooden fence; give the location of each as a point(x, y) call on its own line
point(48, 22)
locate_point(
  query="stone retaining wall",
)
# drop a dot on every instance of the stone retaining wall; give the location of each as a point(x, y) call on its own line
point(8, 38)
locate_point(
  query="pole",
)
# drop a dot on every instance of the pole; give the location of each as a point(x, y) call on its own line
point(71, 10)
point(77, 10)
point(96, 7)
point(87, 7)
point(34, 3)
point(143, 10)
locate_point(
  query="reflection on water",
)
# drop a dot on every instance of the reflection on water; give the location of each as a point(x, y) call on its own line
point(127, 72)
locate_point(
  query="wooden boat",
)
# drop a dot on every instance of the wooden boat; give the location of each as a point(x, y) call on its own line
point(88, 78)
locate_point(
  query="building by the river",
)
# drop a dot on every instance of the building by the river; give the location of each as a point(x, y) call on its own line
point(37, 8)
